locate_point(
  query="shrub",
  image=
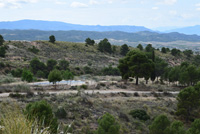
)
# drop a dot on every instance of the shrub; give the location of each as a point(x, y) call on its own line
point(84, 86)
point(42, 112)
point(87, 70)
point(27, 76)
point(14, 122)
point(111, 71)
point(139, 114)
point(21, 88)
point(61, 113)
point(17, 72)
point(34, 50)
point(159, 125)
point(6, 79)
point(108, 125)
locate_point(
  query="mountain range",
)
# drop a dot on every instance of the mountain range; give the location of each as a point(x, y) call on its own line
point(40, 30)
point(57, 26)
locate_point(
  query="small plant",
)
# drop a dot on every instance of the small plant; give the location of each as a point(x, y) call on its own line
point(61, 113)
point(42, 111)
point(139, 114)
point(84, 87)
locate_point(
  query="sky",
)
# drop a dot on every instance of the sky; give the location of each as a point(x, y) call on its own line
point(148, 13)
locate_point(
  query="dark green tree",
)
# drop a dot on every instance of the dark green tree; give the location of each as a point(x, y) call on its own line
point(36, 65)
point(188, 101)
point(52, 39)
point(159, 125)
point(67, 75)
point(140, 47)
point(63, 65)
point(175, 52)
point(163, 50)
point(42, 112)
point(90, 42)
point(51, 63)
point(27, 75)
point(135, 64)
point(139, 114)
point(149, 48)
point(105, 46)
point(108, 125)
point(3, 51)
point(55, 76)
point(1, 40)
point(188, 53)
point(124, 49)
point(195, 127)
point(153, 73)
point(176, 127)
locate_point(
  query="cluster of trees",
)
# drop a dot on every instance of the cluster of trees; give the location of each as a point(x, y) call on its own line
point(186, 74)
point(53, 70)
point(143, 63)
point(90, 42)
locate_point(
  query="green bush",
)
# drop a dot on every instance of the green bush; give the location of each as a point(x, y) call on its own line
point(34, 50)
point(111, 71)
point(27, 75)
point(159, 125)
point(61, 113)
point(17, 72)
point(42, 112)
point(139, 114)
point(108, 125)
point(84, 86)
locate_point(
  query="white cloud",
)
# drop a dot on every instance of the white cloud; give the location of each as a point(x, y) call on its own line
point(15, 3)
point(173, 12)
point(93, 2)
point(167, 2)
point(155, 8)
point(198, 6)
point(78, 5)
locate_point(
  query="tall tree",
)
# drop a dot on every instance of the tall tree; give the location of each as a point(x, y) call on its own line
point(108, 125)
point(188, 101)
point(163, 50)
point(55, 76)
point(63, 64)
point(51, 63)
point(149, 48)
point(140, 47)
point(52, 39)
point(105, 46)
point(135, 64)
point(1, 40)
point(159, 125)
point(124, 49)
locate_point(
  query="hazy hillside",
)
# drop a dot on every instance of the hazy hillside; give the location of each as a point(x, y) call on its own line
point(80, 36)
point(56, 25)
point(187, 30)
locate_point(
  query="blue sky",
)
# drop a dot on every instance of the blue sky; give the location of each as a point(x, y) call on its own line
point(148, 13)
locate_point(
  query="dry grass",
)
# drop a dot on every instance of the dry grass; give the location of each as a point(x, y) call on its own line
point(14, 122)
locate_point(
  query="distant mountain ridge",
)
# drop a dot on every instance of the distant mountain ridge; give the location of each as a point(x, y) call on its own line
point(57, 26)
point(187, 30)
point(80, 36)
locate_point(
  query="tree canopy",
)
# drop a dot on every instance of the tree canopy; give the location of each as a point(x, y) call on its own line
point(135, 64)
point(52, 39)
point(124, 49)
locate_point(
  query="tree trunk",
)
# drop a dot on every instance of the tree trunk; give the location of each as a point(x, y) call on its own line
point(137, 80)
point(146, 81)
